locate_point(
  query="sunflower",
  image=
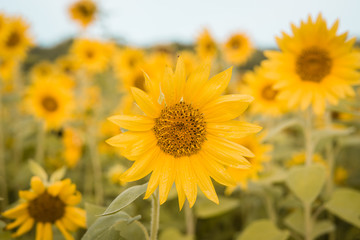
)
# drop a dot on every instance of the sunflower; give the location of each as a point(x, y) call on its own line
point(50, 101)
point(261, 151)
point(7, 68)
point(114, 174)
point(261, 87)
point(73, 147)
point(67, 65)
point(128, 61)
point(238, 48)
point(206, 46)
point(315, 66)
point(185, 135)
point(46, 206)
point(14, 39)
point(42, 70)
point(84, 12)
point(299, 159)
point(92, 55)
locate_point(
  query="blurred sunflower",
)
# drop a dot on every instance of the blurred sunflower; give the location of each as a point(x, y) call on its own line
point(73, 147)
point(84, 12)
point(67, 65)
point(114, 174)
point(7, 68)
point(315, 66)
point(206, 46)
point(45, 206)
point(50, 101)
point(237, 49)
point(92, 55)
point(127, 61)
point(15, 39)
point(261, 87)
point(42, 70)
point(299, 159)
point(261, 151)
point(186, 135)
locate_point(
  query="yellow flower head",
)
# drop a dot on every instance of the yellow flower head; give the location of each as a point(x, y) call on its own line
point(84, 12)
point(92, 55)
point(50, 101)
point(46, 205)
point(340, 175)
point(261, 87)
point(238, 49)
point(67, 65)
point(261, 151)
point(299, 159)
point(14, 39)
point(206, 47)
point(128, 61)
point(42, 70)
point(315, 66)
point(73, 146)
point(114, 174)
point(186, 135)
point(7, 68)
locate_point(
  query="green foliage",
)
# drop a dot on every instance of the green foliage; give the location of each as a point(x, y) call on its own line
point(37, 170)
point(206, 209)
point(4, 235)
point(263, 229)
point(173, 234)
point(58, 174)
point(345, 203)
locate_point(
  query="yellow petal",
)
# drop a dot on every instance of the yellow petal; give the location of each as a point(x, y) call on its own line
point(77, 216)
point(73, 199)
point(25, 227)
point(68, 224)
point(28, 195)
point(232, 129)
point(62, 229)
point(187, 178)
point(47, 234)
point(150, 108)
point(167, 178)
point(133, 123)
point(55, 188)
point(153, 182)
point(37, 185)
point(40, 231)
point(196, 82)
point(180, 191)
point(179, 79)
point(16, 211)
point(17, 222)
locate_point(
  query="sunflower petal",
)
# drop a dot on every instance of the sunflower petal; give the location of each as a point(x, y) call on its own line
point(133, 123)
point(150, 108)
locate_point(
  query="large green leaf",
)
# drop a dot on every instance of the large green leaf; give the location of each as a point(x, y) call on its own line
point(130, 230)
point(125, 198)
point(345, 203)
point(263, 229)
point(207, 209)
point(306, 182)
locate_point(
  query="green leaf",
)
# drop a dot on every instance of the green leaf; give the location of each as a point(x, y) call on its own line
point(130, 230)
point(331, 133)
point(37, 170)
point(306, 182)
point(345, 203)
point(322, 227)
point(92, 213)
point(125, 198)
point(207, 209)
point(280, 127)
point(104, 227)
point(58, 174)
point(274, 175)
point(263, 229)
point(4, 235)
point(173, 234)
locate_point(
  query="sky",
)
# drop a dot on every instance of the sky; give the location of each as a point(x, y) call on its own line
point(147, 22)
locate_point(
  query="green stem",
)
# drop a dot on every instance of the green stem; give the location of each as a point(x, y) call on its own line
point(189, 220)
point(3, 183)
point(269, 204)
point(155, 215)
point(142, 227)
point(308, 221)
point(40, 144)
point(309, 145)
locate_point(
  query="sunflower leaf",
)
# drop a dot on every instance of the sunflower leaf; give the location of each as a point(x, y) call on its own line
point(58, 174)
point(263, 229)
point(37, 170)
point(205, 209)
point(124, 199)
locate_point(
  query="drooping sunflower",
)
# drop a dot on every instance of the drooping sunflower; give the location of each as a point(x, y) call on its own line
point(261, 87)
point(206, 46)
point(50, 101)
point(238, 48)
point(84, 12)
point(92, 55)
point(261, 152)
point(186, 135)
point(15, 39)
point(315, 66)
point(45, 206)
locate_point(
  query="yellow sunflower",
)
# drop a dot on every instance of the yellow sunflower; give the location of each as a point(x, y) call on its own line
point(50, 101)
point(299, 159)
point(67, 65)
point(45, 206)
point(315, 66)
point(73, 146)
point(15, 39)
point(238, 48)
point(191, 61)
point(7, 68)
point(114, 174)
point(185, 135)
point(42, 70)
point(206, 46)
point(261, 151)
point(92, 55)
point(261, 87)
point(84, 12)
point(127, 61)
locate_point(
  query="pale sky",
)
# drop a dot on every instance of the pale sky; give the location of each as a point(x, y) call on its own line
point(145, 22)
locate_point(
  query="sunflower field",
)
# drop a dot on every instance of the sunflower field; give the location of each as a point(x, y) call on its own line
point(213, 140)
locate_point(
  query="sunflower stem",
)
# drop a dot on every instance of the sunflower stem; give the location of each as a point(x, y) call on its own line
point(269, 204)
point(3, 183)
point(155, 215)
point(309, 145)
point(142, 227)
point(308, 221)
point(189, 220)
point(40, 144)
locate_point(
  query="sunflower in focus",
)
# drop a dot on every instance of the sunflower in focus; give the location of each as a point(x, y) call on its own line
point(84, 12)
point(261, 152)
point(315, 66)
point(92, 55)
point(186, 135)
point(45, 206)
point(14, 39)
point(50, 101)
point(206, 46)
point(238, 48)
point(261, 87)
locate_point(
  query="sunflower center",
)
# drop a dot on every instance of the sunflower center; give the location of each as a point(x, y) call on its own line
point(86, 10)
point(49, 103)
point(235, 44)
point(269, 93)
point(313, 64)
point(89, 54)
point(13, 39)
point(180, 130)
point(46, 208)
